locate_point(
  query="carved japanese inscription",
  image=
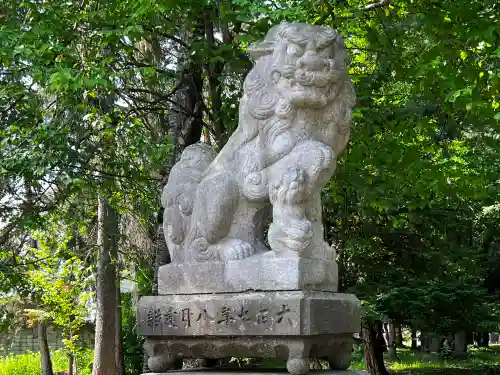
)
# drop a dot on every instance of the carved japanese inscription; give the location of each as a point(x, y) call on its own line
point(183, 318)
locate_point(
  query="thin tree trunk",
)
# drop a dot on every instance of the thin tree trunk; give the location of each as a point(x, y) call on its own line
point(414, 343)
point(120, 360)
point(71, 363)
point(393, 355)
point(105, 330)
point(45, 361)
point(399, 336)
point(379, 328)
point(214, 68)
point(470, 338)
point(460, 343)
point(386, 333)
point(424, 342)
point(374, 355)
point(484, 339)
point(186, 127)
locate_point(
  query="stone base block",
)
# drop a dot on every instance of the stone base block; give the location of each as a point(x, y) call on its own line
point(295, 350)
point(294, 313)
point(253, 273)
point(293, 326)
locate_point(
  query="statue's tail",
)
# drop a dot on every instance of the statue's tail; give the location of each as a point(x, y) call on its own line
point(179, 194)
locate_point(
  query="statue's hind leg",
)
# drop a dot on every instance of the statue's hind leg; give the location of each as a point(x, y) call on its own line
point(217, 197)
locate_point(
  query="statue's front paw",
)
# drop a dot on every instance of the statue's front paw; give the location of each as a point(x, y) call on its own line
point(300, 231)
point(293, 235)
point(201, 250)
point(235, 249)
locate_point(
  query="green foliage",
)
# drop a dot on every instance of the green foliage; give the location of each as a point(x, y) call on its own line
point(413, 208)
point(84, 359)
point(62, 284)
point(29, 363)
point(420, 167)
point(132, 343)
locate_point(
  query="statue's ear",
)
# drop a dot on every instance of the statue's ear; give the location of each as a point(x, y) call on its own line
point(258, 50)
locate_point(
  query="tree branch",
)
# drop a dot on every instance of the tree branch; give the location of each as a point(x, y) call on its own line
point(378, 4)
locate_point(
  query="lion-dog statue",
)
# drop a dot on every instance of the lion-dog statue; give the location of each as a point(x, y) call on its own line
point(294, 121)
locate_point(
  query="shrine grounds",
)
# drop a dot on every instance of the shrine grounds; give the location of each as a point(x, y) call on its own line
point(483, 361)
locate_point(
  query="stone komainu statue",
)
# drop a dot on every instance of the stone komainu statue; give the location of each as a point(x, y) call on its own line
point(294, 120)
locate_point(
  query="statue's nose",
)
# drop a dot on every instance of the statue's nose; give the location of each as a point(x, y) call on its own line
point(311, 61)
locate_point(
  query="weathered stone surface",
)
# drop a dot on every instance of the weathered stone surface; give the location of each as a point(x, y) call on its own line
point(296, 350)
point(294, 121)
point(293, 313)
point(254, 273)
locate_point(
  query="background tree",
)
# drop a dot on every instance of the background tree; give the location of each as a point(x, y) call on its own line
point(412, 208)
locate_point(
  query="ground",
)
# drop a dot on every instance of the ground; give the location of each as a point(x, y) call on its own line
point(484, 361)
point(475, 362)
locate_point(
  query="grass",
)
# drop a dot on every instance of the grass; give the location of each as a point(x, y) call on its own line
point(474, 362)
point(29, 363)
point(484, 361)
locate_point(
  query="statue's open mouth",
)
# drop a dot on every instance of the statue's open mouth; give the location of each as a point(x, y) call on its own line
point(315, 78)
point(310, 89)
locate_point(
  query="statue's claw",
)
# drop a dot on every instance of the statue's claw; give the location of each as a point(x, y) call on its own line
point(293, 236)
point(234, 249)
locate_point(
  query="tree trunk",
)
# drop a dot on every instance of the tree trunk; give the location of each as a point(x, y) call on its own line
point(379, 328)
point(45, 361)
point(470, 338)
point(460, 343)
point(185, 127)
point(414, 342)
point(214, 69)
point(105, 329)
point(484, 339)
point(425, 342)
point(391, 333)
point(399, 336)
point(434, 343)
point(374, 355)
point(71, 363)
point(120, 361)
point(386, 333)
point(393, 355)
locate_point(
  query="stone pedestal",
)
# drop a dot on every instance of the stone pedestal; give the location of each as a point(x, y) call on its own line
point(254, 273)
point(254, 372)
point(289, 325)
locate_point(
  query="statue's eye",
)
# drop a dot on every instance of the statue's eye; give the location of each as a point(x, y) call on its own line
point(294, 50)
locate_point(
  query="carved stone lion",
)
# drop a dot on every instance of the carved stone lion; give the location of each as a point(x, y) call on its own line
point(294, 120)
